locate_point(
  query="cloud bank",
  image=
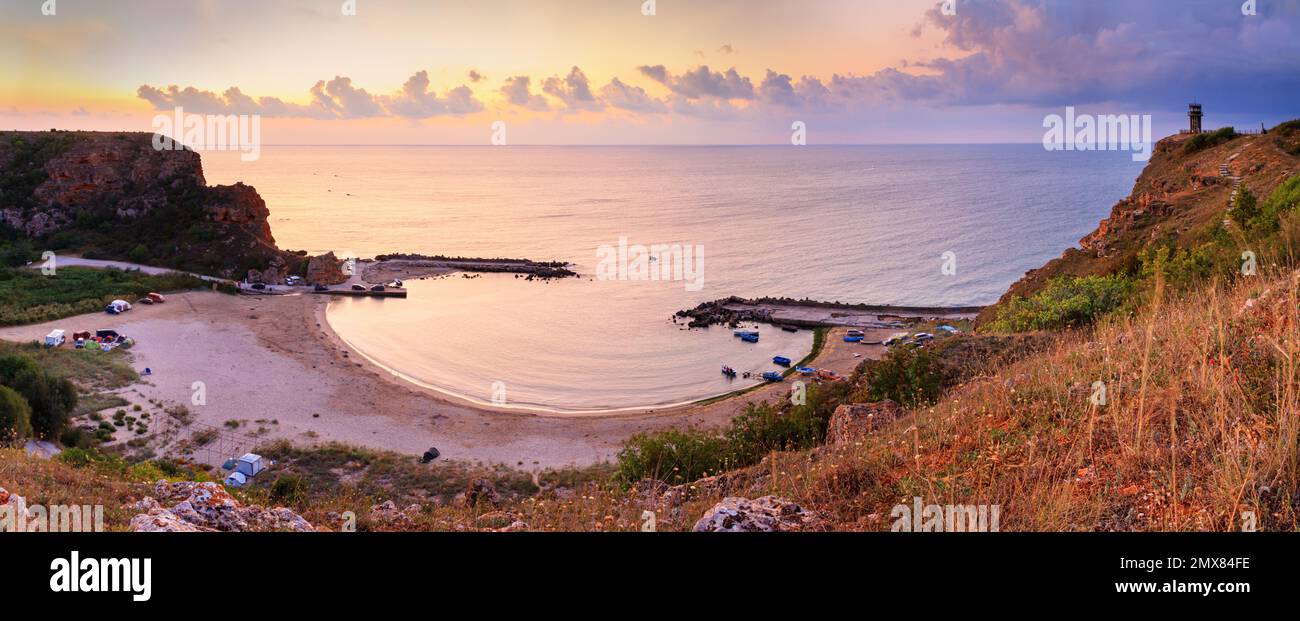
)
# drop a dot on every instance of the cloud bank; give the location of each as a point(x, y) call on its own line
point(1032, 53)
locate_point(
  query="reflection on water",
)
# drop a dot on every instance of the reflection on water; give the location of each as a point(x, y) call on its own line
point(845, 223)
point(621, 351)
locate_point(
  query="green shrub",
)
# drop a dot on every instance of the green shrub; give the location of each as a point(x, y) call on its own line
point(761, 429)
point(1066, 302)
point(683, 456)
point(15, 415)
point(289, 489)
point(50, 398)
point(1283, 200)
point(1244, 209)
point(673, 456)
point(1205, 140)
point(907, 374)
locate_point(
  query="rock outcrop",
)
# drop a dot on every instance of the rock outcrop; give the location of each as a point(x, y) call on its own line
point(766, 514)
point(1181, 193)
point(326, 269)
point(101, 188)
point(208, 507)
point(853, 421)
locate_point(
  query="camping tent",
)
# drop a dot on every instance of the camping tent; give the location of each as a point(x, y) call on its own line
point(250, 464)
point(236, 479)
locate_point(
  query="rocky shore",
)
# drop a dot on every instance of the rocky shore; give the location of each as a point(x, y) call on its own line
point(731, 311)
point(386, 267)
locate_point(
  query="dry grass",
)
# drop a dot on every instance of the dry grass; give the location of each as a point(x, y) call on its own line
point(1199, 424)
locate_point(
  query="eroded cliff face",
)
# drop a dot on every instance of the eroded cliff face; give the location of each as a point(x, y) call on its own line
point(1177, 198)
point(108, 193)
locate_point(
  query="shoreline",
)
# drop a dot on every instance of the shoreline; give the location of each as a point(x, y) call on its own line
point(274, 357)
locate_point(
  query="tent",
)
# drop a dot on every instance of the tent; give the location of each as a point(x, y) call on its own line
point(250, 464)
point(236, 479)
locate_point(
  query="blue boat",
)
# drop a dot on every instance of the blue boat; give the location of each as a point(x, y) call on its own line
point(853, 339)
point(772, 376)
point(781, 360)
point(805, 370)
point(742, 333)
point(751, 337)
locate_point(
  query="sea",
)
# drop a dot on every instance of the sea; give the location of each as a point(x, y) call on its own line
point(924, 225)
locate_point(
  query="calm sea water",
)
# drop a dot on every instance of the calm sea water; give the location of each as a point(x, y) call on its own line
point(853, 224)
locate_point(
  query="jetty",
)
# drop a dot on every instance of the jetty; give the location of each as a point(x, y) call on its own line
point(388, 292)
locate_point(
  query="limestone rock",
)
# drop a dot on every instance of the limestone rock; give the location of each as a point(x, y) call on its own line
point(852, 421)
point(209, 507)
point(766, 514)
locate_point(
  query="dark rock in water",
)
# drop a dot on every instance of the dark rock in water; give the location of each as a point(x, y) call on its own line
point(430, 455)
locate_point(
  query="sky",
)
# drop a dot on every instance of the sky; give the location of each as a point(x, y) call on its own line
point(606, 72)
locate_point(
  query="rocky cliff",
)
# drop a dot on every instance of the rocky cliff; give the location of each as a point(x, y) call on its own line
point(112, 195)
point(1179, 199)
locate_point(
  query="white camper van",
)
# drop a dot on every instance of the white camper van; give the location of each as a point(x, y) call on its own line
point(55, 338)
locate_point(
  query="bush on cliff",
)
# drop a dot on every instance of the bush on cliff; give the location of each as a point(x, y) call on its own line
point(15, 416)
point(1205, 140)
point(909, 375)
point(50, 398)
point(1066, 302)
point(676, 456)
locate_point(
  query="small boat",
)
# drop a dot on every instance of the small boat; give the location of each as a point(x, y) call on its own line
point(742, 332)
point(829, 376)
point(781, 360)
point(790, 328)
point(853, 339)
point(805, 370)
point(772, 376)
point(749, 338)
point(895, 339)
point(728, 371)
point(856, 333)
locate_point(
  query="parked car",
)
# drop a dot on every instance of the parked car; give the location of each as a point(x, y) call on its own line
point(259, 286)
point(293, 281)
point(358, 288)
point(321, 288)
point(377, 288)
point(117, 307)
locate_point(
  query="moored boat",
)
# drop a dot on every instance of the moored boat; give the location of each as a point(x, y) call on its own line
point(781, 360)
point(772, 376)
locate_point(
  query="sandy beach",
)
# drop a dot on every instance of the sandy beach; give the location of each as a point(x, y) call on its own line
point(274, 358)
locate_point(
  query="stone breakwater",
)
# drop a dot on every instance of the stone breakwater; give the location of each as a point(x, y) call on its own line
point(731, 311)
